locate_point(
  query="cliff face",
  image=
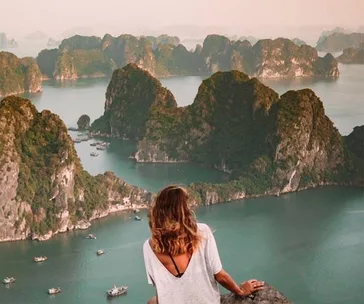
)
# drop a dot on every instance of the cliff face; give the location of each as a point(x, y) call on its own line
point(44, 189)
point(162, 56)
point(18, 75)
point(354, 144)
point(130, 96)
point(46, 60)
point(267, 58)
point(324, 34)
point(352, 55)
point(162, 39)
point(82, 64)
point(282, 58)
point(337, 42)
point(269, 145)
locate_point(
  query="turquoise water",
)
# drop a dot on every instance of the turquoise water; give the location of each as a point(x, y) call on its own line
point(309, 245)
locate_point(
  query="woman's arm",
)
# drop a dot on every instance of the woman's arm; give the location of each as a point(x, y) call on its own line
point(245, 288)
point(221, 276)
point(226, 281)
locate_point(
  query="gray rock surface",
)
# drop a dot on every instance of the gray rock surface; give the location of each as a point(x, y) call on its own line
point(267, 296)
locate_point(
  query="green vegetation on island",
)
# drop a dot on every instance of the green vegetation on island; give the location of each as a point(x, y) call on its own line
point(18, 75)
point(268, 144)
point(163, 56)
point(44, 188)
point(337, 42)
point(352, 55)
point(83, 122)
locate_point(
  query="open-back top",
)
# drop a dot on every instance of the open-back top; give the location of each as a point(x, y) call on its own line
point(197, 284)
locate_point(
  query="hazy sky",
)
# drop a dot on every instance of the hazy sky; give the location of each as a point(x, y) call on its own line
point(20, 17)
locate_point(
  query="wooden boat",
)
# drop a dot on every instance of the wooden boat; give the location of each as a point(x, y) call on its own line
point(53, 291)
point(9, 280)
point(117, 291)
point(40, 259)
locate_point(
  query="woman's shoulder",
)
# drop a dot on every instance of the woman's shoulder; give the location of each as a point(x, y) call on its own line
point(146, 246)
point(203, 228)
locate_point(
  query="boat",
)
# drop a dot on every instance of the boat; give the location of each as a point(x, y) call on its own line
point(94, 154)
point(100, 252)
point(101, 148)
point(76, 141)
point(91, 236)
point(8, 280)
point(117, 291)
point(137, 218)
point(40, 259)
point(136, 210)
point(73, 129)
point(93, 144)
point(101, 144)
point(53, 291)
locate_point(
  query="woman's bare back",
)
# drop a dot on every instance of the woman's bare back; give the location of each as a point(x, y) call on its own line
point(181, 261)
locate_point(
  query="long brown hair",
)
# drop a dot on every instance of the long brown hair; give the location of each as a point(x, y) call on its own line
point(173, 223)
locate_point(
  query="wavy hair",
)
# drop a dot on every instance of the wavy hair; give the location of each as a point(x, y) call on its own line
point(172, 223)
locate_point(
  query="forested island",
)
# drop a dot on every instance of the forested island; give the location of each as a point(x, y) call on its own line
point(268, 144)
point(164, 56)
point(18, 75)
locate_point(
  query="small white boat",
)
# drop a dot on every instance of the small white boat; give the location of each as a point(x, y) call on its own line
point(94, 154)
point(100, 252)
point(40, 259)
point(91, 236)
point(53, 291)
point(137, 218)
point(8, 280)
point(136, 210)
point(101, 148)
point(117, 291)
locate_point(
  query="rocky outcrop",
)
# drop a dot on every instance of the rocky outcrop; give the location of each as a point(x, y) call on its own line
point(337, 42)
point(83, 122)
point(265, 296)
point(324, 34)
point(46, 60)
point(43, 187)
point(6, 43)
point(352, 55)
point(354, 144)
point(130, 96)
point(163, 56)
point(268, 144)
point(162, 39)
point(267, 58)
point(18, 76)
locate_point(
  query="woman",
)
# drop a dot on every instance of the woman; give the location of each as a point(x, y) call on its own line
point(181, 257)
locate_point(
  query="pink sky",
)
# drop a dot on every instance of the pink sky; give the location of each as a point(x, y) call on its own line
point(20, 17)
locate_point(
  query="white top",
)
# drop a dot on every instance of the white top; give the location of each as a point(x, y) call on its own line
point(197, 285)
